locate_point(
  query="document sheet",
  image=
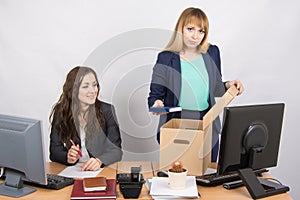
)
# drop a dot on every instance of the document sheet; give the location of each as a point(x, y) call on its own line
point(76, 172)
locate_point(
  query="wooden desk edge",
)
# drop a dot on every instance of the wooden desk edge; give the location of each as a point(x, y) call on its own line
point(206, 192)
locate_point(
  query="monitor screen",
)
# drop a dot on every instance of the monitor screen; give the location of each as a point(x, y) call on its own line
point(250, 137)
point(21, 154)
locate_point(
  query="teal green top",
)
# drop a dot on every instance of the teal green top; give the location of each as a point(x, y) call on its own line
point(194, 93)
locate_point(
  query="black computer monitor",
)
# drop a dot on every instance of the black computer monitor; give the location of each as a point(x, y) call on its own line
point(21, 154)
point(250, 140)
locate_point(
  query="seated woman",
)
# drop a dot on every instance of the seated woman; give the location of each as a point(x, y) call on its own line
point(83, 128)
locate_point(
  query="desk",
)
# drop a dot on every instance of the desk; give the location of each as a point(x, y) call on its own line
point(148, 170)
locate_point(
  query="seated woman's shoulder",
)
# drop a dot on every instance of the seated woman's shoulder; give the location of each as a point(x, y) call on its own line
point(105, 104)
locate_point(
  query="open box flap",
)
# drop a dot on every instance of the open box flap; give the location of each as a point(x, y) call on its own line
point(219, 106)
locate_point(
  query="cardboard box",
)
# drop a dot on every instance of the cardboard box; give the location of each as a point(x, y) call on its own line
point(190, 140)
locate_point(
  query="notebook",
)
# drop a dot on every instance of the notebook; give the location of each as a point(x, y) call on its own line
point(165, 109)
point(94, 184)
point(109, 193)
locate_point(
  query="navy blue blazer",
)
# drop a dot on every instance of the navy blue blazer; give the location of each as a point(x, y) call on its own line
point(166, 80)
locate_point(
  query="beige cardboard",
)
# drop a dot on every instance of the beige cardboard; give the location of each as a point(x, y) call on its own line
point(190, 140)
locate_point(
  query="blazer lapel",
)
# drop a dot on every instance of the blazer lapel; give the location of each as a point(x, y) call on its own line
point(176, 70)
point(209, 67)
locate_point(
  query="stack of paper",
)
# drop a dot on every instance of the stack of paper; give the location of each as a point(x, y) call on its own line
point(160, 189)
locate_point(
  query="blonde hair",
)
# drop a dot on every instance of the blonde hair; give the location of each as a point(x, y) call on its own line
point(189, 16)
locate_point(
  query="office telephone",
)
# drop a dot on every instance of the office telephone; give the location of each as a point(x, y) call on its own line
point(131, 183)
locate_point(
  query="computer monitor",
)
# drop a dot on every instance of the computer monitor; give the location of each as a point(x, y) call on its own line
point(250, 140)
point(21, 154)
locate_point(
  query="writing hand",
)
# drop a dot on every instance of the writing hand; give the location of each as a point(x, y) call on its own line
point(92, 164)
point(78, 151)
point(73, 154)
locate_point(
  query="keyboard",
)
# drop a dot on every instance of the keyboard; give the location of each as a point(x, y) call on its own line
point(54, 182)
point(214, 179)
point(57, 182)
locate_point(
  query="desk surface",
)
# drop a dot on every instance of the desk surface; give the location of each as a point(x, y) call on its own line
point(148, 169)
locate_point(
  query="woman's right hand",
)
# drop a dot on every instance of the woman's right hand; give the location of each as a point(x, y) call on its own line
point(158, 103)
point(73, 155)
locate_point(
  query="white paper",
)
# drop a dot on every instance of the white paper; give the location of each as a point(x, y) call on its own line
point(210, 171)
point(76, 172)
point(160, 188)
point(148, 182)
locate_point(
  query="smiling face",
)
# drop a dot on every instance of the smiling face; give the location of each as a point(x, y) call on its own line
point(192, 36)
point(88, 90)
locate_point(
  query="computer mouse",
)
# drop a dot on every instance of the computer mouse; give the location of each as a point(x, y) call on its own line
point(162, 173)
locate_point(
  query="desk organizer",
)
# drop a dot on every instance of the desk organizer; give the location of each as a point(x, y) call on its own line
point(131, 189)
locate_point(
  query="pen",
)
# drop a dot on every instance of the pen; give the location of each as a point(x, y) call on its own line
point(79, 152)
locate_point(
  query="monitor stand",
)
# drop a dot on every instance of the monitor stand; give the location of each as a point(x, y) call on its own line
point(13, 186)
point(259, 187)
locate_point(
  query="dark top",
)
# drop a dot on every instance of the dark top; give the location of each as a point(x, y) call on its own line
point(105, 145)
point(166, 81)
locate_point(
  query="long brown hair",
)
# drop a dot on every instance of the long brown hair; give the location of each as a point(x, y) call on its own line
point(189, 16)
point(66, 111)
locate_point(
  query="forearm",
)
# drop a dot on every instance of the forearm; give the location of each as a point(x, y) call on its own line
point(158, 84)
point(111, 156)
point(155, 94)
point(112, 149)
point(57, 155)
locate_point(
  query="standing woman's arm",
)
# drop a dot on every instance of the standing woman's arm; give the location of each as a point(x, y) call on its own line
point(158, 82)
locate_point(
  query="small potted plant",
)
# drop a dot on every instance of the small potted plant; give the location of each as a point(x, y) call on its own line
point(177, 176)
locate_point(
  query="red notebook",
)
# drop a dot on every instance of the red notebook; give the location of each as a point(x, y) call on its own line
point(109, 193)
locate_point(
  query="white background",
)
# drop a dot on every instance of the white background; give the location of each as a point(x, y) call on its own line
point(40, 41)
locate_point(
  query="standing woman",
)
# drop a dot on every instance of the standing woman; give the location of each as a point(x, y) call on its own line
point(83, 128)
point(188, 73)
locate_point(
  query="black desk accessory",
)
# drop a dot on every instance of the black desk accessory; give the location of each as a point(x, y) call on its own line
point(162, 173)
point(233, 184)
point(131, 183)
point(57, 182)
point(54, 181)
point(259, 187)
point(214, 179)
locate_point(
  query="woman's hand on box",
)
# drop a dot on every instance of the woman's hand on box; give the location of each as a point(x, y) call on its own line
point(239, 85)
